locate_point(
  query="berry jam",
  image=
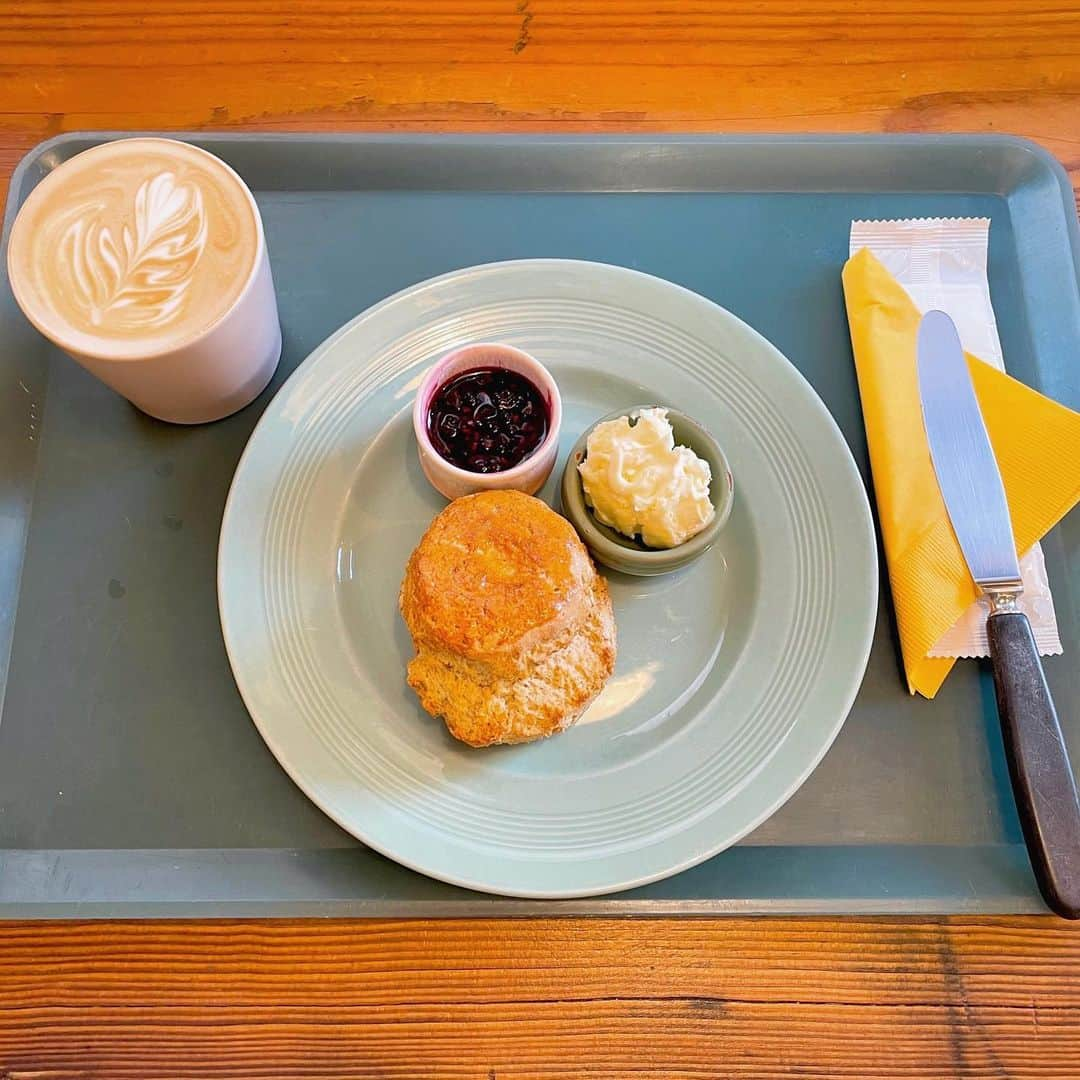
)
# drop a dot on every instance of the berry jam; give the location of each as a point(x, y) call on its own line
point(487, 420)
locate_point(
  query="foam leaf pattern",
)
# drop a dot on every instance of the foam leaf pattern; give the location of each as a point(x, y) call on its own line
point(140, 279)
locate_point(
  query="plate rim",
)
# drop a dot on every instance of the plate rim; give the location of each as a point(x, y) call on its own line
point(870, 587)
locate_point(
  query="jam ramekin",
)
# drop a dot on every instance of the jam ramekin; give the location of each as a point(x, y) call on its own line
point(528, 475)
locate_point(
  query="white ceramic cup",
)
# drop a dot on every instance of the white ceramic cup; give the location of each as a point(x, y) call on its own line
point(202, 375)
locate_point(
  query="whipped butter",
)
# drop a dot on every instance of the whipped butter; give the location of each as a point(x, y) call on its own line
point(640, 483)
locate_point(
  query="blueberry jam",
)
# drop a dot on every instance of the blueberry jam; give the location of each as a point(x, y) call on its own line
point(487, 420)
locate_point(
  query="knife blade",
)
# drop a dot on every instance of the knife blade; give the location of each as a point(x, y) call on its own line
point(963, 458)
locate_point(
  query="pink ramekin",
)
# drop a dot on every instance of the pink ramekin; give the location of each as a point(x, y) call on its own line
point(528, 475)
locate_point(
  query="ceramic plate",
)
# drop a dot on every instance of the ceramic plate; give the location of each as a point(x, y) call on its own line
point(734, 675)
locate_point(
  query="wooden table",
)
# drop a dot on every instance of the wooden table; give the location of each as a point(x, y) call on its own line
point(694, 998)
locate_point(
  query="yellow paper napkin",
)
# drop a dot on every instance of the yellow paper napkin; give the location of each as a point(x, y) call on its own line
point(1036, 442)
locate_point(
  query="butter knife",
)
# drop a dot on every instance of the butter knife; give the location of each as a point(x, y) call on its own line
point(967, 473)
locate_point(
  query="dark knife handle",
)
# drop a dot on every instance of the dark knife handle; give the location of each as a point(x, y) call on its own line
point(1042, 777)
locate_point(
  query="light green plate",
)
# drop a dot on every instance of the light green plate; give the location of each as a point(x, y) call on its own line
point(734, 675)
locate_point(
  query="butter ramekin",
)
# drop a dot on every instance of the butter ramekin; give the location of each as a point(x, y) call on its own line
point(628, 555)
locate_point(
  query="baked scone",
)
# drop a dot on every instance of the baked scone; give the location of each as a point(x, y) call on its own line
point(513, 627)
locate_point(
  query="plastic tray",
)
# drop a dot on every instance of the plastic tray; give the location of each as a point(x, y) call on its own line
point(133, 783)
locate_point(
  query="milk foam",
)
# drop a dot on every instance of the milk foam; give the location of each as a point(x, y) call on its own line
point(133, 247)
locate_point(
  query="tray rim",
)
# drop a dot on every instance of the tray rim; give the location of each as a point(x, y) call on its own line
point(1040, 156)
point(16, 903)
point(239, 135)
point(66, 884)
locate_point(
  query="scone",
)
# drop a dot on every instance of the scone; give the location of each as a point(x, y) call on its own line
point(513, 627)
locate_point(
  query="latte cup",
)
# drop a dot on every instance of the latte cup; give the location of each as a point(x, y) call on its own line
point(145, 260)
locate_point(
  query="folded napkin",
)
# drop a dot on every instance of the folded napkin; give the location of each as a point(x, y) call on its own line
point(1036, 442)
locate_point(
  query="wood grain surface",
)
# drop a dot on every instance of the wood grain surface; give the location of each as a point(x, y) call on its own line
point(590, 998)
point(513, 999)
point(692, 65)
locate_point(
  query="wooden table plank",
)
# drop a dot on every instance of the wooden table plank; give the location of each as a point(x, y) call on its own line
point(715, 65)
point(1007, 963)
point(597, 998)
point(602, 998)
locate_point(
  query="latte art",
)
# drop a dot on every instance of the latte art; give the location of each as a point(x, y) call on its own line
point(142, 279)
point(134, 247)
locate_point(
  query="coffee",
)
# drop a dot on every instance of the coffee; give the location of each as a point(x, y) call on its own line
point(133, 246)
point(145, 260)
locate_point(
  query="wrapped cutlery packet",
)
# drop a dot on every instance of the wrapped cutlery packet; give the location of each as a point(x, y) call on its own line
point(941, 264)
point(897, 271)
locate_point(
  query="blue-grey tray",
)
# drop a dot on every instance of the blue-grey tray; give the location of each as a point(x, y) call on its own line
point(132, 782)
